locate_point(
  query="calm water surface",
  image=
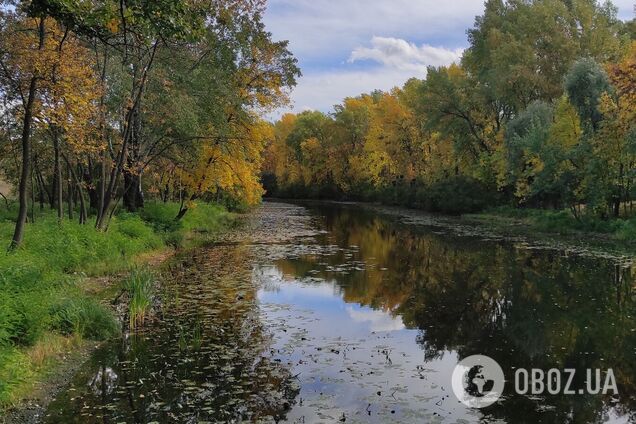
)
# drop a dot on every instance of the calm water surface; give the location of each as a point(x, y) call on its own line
point(328, 313)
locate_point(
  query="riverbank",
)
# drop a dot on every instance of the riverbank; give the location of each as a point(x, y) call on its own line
point(545, 228)
point(57, 291)
point(563, 223)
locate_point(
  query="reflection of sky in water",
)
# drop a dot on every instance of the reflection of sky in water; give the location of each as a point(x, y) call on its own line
point(323, 299)
point(353, 359)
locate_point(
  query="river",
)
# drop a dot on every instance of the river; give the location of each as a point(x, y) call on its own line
point(337, 313)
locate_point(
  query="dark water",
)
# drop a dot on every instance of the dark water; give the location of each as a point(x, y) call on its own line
point(334, 314)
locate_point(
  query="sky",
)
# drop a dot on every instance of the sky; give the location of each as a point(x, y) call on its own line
point(349, 47)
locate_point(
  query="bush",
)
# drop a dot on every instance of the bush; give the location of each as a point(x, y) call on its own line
point(201, 218)
point(161, 216)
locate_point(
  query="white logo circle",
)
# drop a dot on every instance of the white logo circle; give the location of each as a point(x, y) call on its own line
point(478, 381)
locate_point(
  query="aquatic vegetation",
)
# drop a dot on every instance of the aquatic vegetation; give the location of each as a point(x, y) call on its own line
point(208, 359)
point(140, 288)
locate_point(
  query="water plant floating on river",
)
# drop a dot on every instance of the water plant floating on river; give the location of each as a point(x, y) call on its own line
point(196, 231)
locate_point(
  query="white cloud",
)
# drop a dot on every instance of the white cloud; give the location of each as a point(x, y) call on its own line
point(400, 54)
point(378, 320)
point(331, 40)
point(397, 61)
point(320, 28)
point(327, 28)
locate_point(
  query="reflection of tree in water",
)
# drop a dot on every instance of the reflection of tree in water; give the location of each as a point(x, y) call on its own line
point(207, 360)
point(525, 308)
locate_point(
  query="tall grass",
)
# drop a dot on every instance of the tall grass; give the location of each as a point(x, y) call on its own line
point(140, 287)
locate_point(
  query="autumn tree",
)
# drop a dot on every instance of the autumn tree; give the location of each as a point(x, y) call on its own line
point(24, 58)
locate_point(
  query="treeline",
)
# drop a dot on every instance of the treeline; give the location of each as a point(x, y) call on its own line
point(103, 102)
point(541, 112)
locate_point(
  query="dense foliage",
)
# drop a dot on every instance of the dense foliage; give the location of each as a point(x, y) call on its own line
point(111, 101)
point(541, 112)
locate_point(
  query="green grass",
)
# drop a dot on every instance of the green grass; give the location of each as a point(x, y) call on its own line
point(41, 293)
point(140, 287)
point(203, 221)
point(563, 222)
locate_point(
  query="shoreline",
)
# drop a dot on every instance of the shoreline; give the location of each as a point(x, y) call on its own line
point(498, 227)
point(59, 374)
point(60, 357)
point(64, 365)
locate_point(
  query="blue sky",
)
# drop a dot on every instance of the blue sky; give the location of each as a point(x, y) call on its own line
point(347, 47)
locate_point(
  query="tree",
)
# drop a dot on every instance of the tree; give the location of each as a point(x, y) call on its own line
point(230, 166)
point(585, 84)
point(24, 62)
point(520, 50)
point(615, 142)
point(454, 108)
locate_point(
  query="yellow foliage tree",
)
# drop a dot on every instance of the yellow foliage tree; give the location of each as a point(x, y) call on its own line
point(229, 165)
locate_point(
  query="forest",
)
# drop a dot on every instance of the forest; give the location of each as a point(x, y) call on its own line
point(104, 102)
point(539, 113)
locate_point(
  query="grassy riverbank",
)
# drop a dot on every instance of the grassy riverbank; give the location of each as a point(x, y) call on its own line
point(46, 310)
point(560, 223)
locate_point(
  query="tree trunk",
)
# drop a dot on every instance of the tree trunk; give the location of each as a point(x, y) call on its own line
point(166, 193)
point(102, 186)
point(6, 201)
point(92, 183)
point(59, 199)
point(182, 211)
point(71, 192)
point(41, 183)
point(118, 166)
point(617, 208)
point(32, 198)
point(18, 234)
point(41, 190)
point(83, 216)
point(133, 195)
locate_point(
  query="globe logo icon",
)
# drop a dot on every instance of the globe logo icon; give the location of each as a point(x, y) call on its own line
point(478, 381)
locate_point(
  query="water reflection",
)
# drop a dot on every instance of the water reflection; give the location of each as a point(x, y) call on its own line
point(333, 314)
point(458, 297)
point(206, 360)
